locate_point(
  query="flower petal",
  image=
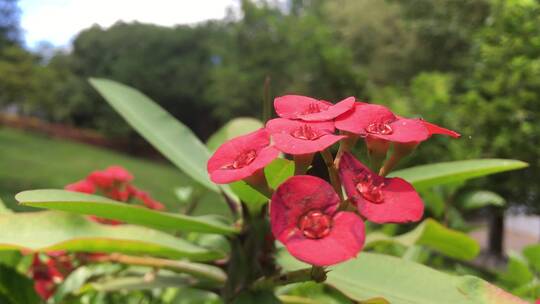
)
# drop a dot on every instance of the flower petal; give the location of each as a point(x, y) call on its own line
point(264, 157)
point(310, 109)
point(435, 129)
point(282, 133)
point(295, 197)
point(363, 115)
point(400, 204)
point(405, 130)
point(344, 242)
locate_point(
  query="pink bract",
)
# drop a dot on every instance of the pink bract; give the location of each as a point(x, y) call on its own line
point(377, 121)
point(304, 217)
point(379, 199)
point(310, 109)
point(241, 157)
point(83, 186)
point(301, 137)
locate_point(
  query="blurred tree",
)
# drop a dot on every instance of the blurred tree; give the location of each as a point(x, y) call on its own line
point(295, 48)
point(10, 32)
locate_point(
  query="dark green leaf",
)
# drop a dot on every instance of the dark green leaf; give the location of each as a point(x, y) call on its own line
point(481, 198)
point(16, 288)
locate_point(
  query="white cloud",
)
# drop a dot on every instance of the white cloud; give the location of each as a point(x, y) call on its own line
point(58, 21)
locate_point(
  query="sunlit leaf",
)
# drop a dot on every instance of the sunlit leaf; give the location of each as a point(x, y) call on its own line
point(169, 136)
point(50, 231)
point(399, 281)
point(481, 198)
point(435, 236)
point(106, 208)
point(449, 172)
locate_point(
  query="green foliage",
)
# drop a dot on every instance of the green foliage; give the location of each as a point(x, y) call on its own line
point(450, 172)
point(15, 288)
point(49, 231)
point(168, 135)
point(106, 208)
point(435, 236)
point(398, 281)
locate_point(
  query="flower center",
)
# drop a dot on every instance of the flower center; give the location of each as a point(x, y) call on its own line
point(315, 108)
point(369, 191)
point(306, 132)
point(242, 160)
point(381, 128)
point(315, 224)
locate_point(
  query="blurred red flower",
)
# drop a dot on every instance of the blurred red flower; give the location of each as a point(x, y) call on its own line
point(304, 217)
point(84, 186)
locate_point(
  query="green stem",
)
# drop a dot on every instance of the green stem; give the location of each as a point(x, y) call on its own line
point(332, 172)
point(196, 269)
point(302, 275)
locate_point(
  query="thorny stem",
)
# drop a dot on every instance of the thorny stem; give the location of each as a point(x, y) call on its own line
point(196, 269)
point(332, 172)
point(317, 274)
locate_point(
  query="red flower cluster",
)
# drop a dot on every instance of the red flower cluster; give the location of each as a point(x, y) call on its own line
point(48, 270)
point(306, 213)
point(114, 182)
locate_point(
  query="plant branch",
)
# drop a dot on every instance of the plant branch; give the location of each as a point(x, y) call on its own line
point(316, 274)
point(332, 172)
point(195, 269)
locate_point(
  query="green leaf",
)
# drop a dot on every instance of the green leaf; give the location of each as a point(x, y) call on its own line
point(234, 128)
point(16, 288)
point(399, 281)
point(79, 276)
point(50, 231)
point(169, 136)
point(83, 203)
point(276, 173)
point(435, 236)
point(532, 254)
point(449, 172)
point(481, 198)
point(130, 283)
point(517, 273)
point(3, 208)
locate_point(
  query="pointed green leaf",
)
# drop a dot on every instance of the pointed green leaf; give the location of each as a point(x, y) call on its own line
point(16, 288)
point(456, 171)
point(532, 254)
point(435, 236)
point(49, 231)
point(169, 136)
point(480, 198)
point(517, 272)
point(106, 208)
point(399, 281)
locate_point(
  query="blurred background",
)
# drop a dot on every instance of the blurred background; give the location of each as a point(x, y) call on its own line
point(469, 65)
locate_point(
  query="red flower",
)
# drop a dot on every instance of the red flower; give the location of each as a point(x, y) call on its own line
point(379, 199)
point(145, 198)
point(83, 186)
point(379, 122)
point(310, 109)
point(241, 157)
point(304, 217)
point(299, 137)
point(47, 274)
point(110, 177)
